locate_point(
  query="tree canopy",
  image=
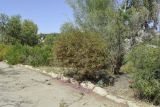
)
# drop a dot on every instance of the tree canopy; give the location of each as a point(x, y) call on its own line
point(13, 29)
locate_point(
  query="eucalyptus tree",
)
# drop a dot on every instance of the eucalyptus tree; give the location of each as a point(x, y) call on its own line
point(103, 17)
point(150, 5)
point(91, 15)
point(66, 27)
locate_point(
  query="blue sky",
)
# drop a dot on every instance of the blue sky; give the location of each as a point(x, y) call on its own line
point(49, 15)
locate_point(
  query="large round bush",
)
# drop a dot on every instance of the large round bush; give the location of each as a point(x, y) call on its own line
point(85, 52)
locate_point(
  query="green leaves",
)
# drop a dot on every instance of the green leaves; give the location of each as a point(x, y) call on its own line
point(92, 15)
point(145, 57)
point(29, 33)
point(14, 27)
point(35, 56)
point(145, 61)
point(84, 51)
point(14, 30)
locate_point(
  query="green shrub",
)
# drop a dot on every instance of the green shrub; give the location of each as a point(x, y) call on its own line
point(50, 39)
point(3, 51)
point(147, 84)
point(128, 68)
point(39, 56)
point(155, 41)
point(17, 54)
point(146, 62)
point(84, 51)
point(35, 56)
point(145, 57)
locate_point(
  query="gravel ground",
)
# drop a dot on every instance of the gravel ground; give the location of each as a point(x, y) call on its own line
point(21, 87)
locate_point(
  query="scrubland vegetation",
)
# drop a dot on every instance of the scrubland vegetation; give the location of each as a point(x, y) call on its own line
point(94, 45)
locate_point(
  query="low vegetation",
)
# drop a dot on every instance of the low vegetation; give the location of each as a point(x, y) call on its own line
point(35, 56)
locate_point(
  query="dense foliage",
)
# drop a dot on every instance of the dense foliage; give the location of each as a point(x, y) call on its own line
point(14, 30)
point(145, 63)
point(3, 51)
point(84, 51)
point(15, 54)
point(39, 56)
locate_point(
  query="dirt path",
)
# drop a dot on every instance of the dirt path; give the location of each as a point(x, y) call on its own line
point(21, 87)
point(121, 87)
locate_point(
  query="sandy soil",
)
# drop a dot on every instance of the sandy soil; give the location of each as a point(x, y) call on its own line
point(21, 87)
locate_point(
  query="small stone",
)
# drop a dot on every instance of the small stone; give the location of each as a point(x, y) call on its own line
point(44, 71)
point(28, 66)
point(73, 81)
point(53, 75)
point(87, 85)
point(100, 91)
point(66, 79)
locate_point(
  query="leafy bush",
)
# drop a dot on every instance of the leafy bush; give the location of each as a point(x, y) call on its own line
point(146, 61)
point(84, 51)
point(128, 68)
point(35, 56)
point(50, 39)
point(17, 54)
point(155, 41)
point(145, 57)
point(39, 56)
point(147, 84)
point(3, 51)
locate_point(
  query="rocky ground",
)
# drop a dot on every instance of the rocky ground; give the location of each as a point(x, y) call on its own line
point(120, 89)
point(21, 87)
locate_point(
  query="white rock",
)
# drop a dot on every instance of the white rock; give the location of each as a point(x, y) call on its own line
point(66, 79)
point(53, 75)
point(87, 85)
point(37, 69)
point(115, 99)
point(59, 76)
point(84, 85)
point(28, 66)
point(100, 91)
point(131, 104)
point(44, 71)
point(73, 81)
